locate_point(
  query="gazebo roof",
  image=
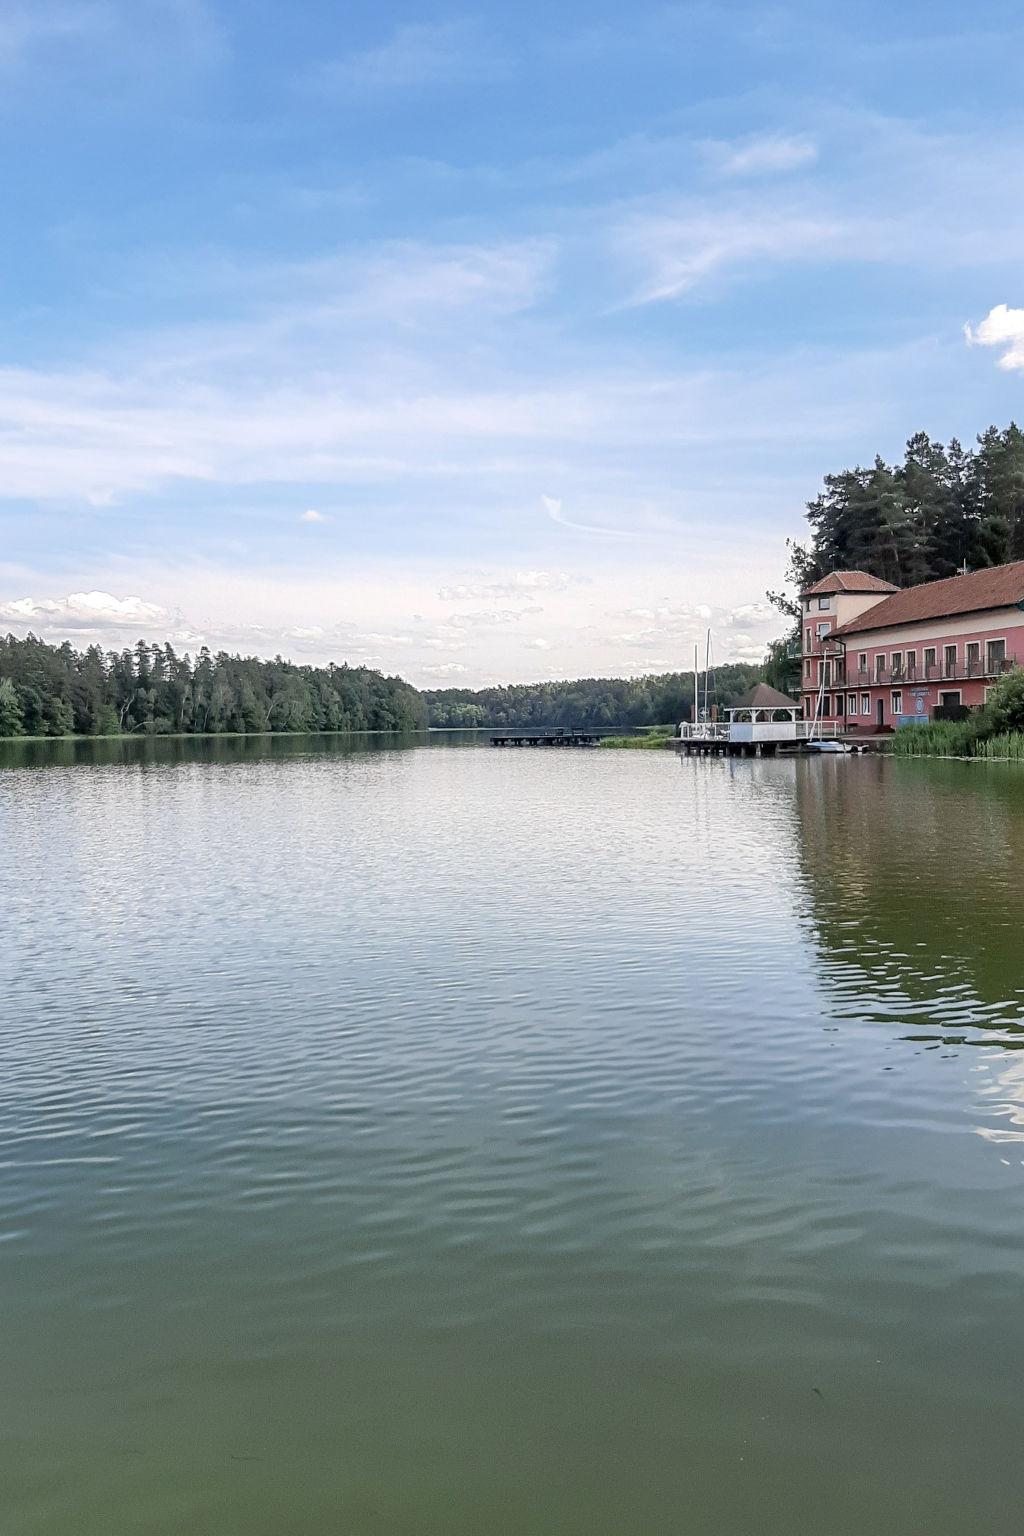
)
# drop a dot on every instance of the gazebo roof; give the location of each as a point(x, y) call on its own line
point(763, 697)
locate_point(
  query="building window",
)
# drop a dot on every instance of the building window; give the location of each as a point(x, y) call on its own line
point(807, 669)
point(824, 604)
point(929, 660)
point(851, 703)
point(824, 629)
point(949, 660)
point(810, 644)
point(826, 706)
point(862, 662)
point(896, 700)
point(972, 657)
point(995, 655)
point(865, 703)
point(951, 699)
point(897, 663)
point(879, 667)
point(911, 663)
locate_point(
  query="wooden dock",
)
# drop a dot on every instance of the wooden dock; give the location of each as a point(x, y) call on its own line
point(722, 746)
point(559, 737)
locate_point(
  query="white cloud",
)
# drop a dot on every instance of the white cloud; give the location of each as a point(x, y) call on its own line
point(393, 618)
point(85, 611)
point(416, 56)
point(1002, 327)
point(313, 516)
point(492, 617)
point(444, 669)
point(765, 156)
point(750, 613)
point(514, 585)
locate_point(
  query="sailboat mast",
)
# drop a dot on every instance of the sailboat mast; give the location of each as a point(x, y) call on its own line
point(707, 672)
point(696, 694)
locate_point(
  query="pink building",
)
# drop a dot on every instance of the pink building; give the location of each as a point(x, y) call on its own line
point(889, 655)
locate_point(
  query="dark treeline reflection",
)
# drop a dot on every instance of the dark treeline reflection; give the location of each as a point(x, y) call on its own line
point(913, 877)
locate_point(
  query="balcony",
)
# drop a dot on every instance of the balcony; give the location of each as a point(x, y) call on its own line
point(977, 667)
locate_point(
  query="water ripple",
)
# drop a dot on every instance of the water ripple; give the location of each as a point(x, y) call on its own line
point(460, 1140)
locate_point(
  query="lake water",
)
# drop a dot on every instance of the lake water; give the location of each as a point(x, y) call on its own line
point(418, 1140)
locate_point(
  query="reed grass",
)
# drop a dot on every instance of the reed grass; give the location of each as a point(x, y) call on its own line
point(651, 742)
point(957, 738)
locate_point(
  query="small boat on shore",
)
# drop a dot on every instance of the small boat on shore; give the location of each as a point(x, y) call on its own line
point(828, 746)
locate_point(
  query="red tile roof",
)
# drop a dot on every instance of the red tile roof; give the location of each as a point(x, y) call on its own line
point(1001, 586)
point(848, 581)
point(762, 696)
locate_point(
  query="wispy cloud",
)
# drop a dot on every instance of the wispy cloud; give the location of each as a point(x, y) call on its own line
point(313, 516)
point(553, 507)
point(26, 28)
point(888, 201)
point(516, 585)
point(681, 250)
point(415, 57)
point(114, 39)
point(1002, 327)
point(767, 155)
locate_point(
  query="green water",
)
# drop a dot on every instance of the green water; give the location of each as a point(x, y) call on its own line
point(403, 1139)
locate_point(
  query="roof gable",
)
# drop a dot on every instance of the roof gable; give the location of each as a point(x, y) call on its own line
point(1000, 586)
point(848, 581)
point(761, 696)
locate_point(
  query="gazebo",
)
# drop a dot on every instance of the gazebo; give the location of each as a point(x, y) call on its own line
point(761, 723)
point(764, 706)
point(764, 717)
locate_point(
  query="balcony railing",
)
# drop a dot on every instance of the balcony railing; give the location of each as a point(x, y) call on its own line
point(930, 672)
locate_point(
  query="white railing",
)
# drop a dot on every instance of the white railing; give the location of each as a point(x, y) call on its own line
point(755, 731)
point(704, 730)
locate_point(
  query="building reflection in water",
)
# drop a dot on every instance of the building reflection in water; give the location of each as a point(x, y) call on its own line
point(913, 876)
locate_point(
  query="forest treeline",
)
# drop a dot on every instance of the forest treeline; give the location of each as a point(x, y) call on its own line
point(919, 520)
point(54, 690)
point(589, 701)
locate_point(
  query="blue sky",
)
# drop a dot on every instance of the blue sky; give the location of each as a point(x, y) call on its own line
point(484, 343)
